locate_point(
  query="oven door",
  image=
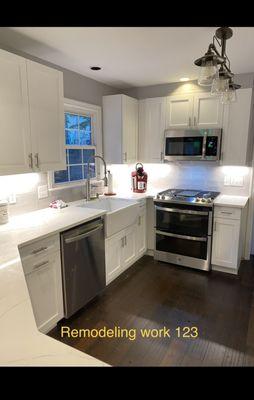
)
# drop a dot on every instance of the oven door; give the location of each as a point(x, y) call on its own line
point(183, 221)
point(194, 252)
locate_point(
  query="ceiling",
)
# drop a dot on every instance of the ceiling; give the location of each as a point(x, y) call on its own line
point(130, 57)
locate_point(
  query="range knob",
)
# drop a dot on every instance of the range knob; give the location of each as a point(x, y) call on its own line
point(163, 196)
point(158, 196)
point(203, 200)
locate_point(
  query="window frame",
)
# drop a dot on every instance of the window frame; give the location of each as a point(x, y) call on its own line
point(94, 111)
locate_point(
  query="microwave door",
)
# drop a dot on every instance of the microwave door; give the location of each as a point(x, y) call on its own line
point(184, 148)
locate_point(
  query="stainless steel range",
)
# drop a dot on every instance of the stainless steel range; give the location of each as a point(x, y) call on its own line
point(183, 227)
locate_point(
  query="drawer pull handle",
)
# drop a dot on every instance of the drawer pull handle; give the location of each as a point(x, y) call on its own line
point(226, 212)
point(39, 250)
point(42, 264)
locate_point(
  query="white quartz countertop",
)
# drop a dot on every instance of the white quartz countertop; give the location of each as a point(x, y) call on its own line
point(231, 201)
point(20, 341)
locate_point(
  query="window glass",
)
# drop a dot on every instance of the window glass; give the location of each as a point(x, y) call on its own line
point(78, 136)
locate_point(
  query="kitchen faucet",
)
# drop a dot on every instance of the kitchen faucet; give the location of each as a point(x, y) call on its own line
point(88, 192)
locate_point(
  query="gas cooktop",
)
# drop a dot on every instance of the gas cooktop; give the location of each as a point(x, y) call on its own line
point(188, 196)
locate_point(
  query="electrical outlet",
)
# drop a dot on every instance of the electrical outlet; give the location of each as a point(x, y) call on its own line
point(12, 198)
point(43, 192)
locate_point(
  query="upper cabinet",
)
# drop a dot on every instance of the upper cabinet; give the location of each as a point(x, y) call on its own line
point(31, 116)
point(120, 129)
point(45, 91)
point(237, 134)
point(179, 111)
point(194, 111)
point(15, 149)
point(207, 111)
point(152, 123)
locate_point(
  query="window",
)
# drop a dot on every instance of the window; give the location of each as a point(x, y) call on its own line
point(81, 124)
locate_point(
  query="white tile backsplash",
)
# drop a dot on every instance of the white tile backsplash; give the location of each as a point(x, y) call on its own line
point(185, 175)
point(160, 176)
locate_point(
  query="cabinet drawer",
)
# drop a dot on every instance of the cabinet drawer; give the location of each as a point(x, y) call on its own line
point(227, 212)
point(40, 247)
point(40, 262)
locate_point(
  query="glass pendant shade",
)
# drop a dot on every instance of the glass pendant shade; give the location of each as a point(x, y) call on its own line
point(219, 86)
point(208, 71)
point(229, 96)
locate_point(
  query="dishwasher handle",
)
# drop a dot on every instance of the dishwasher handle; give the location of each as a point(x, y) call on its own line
point(83, 235)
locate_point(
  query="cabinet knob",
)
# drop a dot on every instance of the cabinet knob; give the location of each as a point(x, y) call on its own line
point(125, 156)
point(195, 121)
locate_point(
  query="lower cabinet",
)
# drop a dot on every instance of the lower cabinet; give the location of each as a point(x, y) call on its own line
point(228, 238)
point(42, 267)
point(125, 247)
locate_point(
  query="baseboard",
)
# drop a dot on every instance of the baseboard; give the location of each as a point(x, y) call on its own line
point(149, 252)
point(232, 271)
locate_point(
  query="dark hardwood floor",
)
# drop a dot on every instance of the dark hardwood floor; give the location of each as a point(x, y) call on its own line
point(153, 294)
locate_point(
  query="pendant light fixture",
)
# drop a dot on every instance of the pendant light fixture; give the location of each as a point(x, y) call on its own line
point(215, 68)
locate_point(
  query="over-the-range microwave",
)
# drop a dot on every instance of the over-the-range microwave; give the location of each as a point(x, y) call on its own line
point(192, 144)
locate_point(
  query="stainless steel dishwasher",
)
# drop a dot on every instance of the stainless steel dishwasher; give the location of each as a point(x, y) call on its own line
point(83, 264)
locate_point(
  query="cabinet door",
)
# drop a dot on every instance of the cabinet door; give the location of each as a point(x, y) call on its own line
point(141, 235)
point(45, 89)
point(129, 249)
point(236, 146)
point(208, 111)
point(179, 111)
point(14, 118)
point(113, 256)
point(226, 234)
point(130, 129)
point(45, 289)
point(152, 124)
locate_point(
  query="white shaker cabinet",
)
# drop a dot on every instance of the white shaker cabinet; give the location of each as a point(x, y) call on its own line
point(179, 111)
point(207, 111)
point(194, 111)
point(31, 116)
point(129, 248)
point(152, 124)
point(113, 256)
point(15, 149)
point(237, 135)
point(120, 129)
point(141, 240)
point(228, 238)
point(45, 90)
point(126, 246)
point(45, 289)
point(41, 262)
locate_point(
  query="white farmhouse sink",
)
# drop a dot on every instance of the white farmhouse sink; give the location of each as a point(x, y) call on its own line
point(120, 213)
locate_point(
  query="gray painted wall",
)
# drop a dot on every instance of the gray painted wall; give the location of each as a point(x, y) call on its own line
point(245, 80)
point(76, 86)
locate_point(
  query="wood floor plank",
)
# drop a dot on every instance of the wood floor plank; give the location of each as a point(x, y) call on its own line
point(154, 295)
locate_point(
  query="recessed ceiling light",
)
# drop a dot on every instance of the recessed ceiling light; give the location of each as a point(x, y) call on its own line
point(184, 79)
point(95, 68)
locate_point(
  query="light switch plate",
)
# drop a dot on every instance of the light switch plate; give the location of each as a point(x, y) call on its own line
point(43, 192)
point(227, 180)
point(237, 180)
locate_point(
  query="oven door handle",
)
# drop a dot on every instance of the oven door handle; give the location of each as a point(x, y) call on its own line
point(198, 239)
point(180, 211)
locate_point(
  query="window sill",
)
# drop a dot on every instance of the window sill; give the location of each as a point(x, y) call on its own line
point(75, 185)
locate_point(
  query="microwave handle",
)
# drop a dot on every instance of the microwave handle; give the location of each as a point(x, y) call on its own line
point(204, 148)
